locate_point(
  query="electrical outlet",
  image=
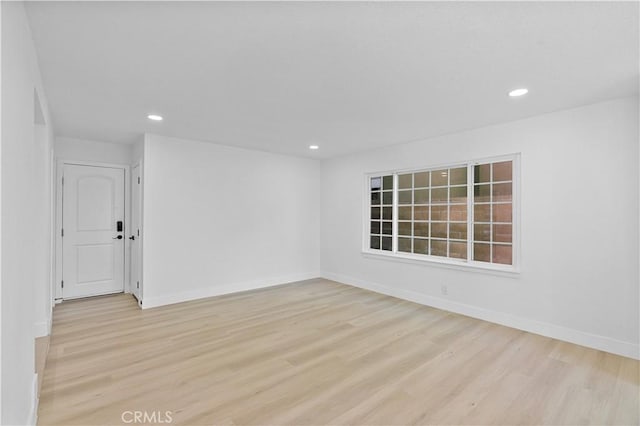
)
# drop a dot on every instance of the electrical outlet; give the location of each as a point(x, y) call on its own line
point(444, 290)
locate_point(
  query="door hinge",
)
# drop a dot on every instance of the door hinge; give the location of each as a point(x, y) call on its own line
point(62, 232)
point(138, 180)
point(138, 284)
point(138, 232)
point(62, 283)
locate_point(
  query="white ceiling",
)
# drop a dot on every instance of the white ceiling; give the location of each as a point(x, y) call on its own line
point(346, 76)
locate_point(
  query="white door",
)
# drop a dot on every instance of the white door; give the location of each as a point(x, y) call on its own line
point(134, 231)
point(93, 231)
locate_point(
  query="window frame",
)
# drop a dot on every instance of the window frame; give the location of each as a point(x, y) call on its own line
point(465, 264)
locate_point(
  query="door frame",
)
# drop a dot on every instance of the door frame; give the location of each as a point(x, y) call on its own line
point(57, 297)
point(140, 166)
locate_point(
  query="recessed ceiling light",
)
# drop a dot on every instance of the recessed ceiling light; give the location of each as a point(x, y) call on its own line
point(154, 117)
point(314, 147)
point(518, 92)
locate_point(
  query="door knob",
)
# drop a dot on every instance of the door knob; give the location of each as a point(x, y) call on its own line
point(119, 237)
point(132, 237)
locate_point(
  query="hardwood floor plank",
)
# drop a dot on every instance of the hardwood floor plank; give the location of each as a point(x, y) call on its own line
point(319, 352)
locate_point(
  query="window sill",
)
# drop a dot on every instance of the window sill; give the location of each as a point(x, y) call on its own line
point(508, 271)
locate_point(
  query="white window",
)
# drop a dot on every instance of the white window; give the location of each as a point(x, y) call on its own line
point(459, 213)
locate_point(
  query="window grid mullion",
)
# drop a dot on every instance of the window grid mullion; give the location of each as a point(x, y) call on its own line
point(448, 209)
point(394, 213)
point(413, 213)
point(430, 232)
point(470, 202)
point(491, 212)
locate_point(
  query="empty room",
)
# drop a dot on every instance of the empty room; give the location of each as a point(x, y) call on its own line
point(319, 213)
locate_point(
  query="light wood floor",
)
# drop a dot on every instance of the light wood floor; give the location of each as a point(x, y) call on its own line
point(319, 352)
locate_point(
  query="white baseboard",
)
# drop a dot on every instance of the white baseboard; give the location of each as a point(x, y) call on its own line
point(219, 290)
point(582, 338)
point(42, 328)
point(32, 420)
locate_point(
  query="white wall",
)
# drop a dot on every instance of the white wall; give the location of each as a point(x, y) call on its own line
point(137, 151)
point(220, 219)
point(93, 151)
point(1, 159)
point(579, 187)
point(42, 256)
point(23, 198)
